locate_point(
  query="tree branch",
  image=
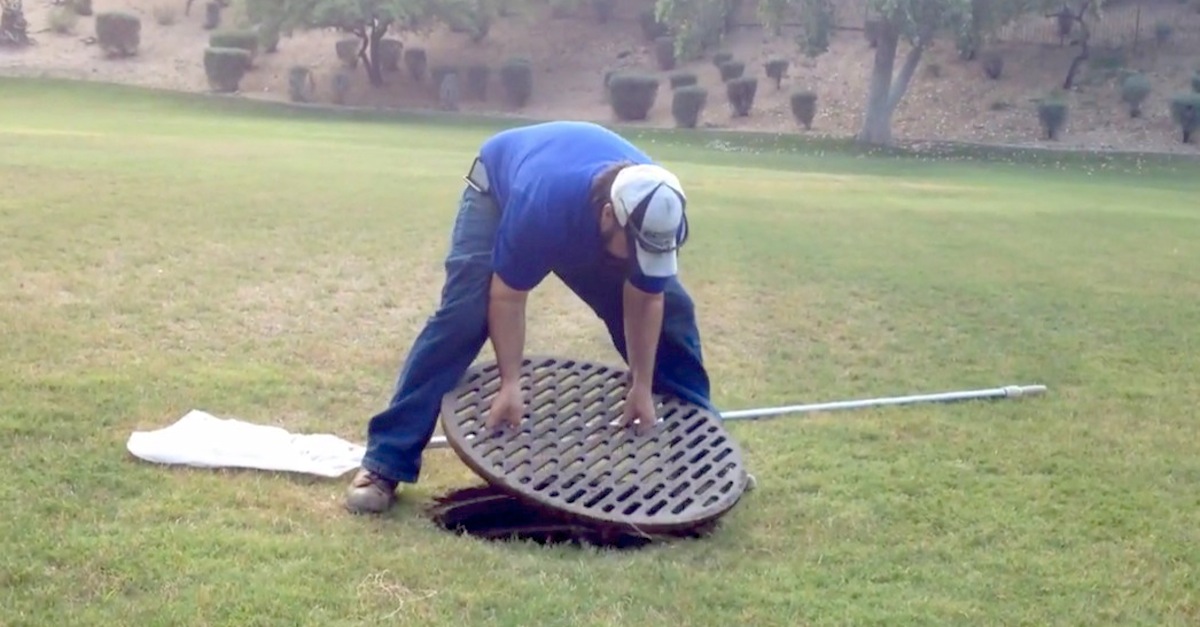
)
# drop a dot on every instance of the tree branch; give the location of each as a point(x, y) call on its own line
point(906, 73)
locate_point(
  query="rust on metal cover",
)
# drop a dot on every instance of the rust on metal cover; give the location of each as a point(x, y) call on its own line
point(570, 455)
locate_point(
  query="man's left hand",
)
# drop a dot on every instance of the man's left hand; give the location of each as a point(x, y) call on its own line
point(639, 410)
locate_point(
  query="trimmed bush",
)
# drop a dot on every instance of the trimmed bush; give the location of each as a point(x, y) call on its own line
point(1185, 111)
point(212, 15)
point(1196, 82)
point(516, 75)
point(340, 83)
point(243, 39)
point(775, 70)
point(389, 54)
point(416, 63)
point(347, 51)
point(301, 85)
point(993, 65)
point(804, 107)
point(664, 52)
point(118, 33)
point(225, 67)
point(682, 79)
point(268, 37)
point(477, 81)
point(1134, 90)
point(632, 95)
point(604, 10)
point(686, 104)
point(1052, 114)
point(81, 7)
point(1162, 33)
point(741, 91)
point(732, 69)
point(651, 28)
point(439, 72)
point(721, 58)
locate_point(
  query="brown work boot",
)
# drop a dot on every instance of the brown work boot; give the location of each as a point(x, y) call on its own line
point(370, 493)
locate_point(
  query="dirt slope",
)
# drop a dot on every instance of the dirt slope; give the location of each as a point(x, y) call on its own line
point(949, 98)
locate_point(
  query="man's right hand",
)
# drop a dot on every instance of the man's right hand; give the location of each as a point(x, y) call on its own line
point(507, 408)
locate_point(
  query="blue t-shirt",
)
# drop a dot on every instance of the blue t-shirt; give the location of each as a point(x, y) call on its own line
point(541, 177)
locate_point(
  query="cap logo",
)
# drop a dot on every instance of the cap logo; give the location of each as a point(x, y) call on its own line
point(658, 242)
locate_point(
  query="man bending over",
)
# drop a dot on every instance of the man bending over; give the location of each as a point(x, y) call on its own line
point(569, 198)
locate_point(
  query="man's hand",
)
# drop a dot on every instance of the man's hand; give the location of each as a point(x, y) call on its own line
point(507, 408)
point(639, 411)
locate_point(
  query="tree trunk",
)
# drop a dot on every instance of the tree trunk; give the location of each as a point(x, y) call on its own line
point(1085, 34)
point(369, 53)
point(877, 122)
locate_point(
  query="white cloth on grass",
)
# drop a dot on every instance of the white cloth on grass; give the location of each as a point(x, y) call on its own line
point(203, 440)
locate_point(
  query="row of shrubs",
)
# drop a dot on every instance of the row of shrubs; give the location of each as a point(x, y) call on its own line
point(1184, 107)
point(632, 95)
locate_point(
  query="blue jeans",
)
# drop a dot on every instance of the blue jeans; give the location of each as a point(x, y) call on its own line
point(456, 333)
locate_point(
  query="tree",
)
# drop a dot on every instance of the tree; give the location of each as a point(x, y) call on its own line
point(1069, 13)
point(917, 23)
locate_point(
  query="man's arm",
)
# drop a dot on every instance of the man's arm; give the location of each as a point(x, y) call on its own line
point(506, 327)
point(643, 325)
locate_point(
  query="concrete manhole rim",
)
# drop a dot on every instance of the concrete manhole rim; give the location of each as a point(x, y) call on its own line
point(689, 467)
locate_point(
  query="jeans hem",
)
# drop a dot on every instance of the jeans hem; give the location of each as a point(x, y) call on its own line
point(388, 473)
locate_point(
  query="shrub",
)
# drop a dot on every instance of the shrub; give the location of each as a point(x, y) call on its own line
point(804, 107)
point(225, 67)
point(632, 95)
point(477, 80)
point(1185, 111)
point(301, 84)
point(721, 58)
point(212, 15)
point(664, 52)
point(119, 33)
point(686, 104)
point(1162, 32)
point(1196, 82)
point(243, 39)
point(682, 79)
point(389, 54)
point(341, 86)
point(347, 51)
point(993, 65)
point(1134, 90)
point(516, 75)
point(651, 28)
point(741, 91)
point(164, 14)
point(732, 69)
point(439, 72)
point(63, 19)
point(81, 7)
point(775, 70)
point(604, 10)
point(871, 31)
point(416, 62)
point(1052, 114)
point(268, 37)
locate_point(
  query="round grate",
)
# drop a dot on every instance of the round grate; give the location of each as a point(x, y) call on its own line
point(569, 455)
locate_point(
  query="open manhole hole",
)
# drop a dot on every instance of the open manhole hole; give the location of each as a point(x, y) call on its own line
point(571, 462)
point(487, 512)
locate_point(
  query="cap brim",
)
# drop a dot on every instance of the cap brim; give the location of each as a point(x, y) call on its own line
point(657, 265)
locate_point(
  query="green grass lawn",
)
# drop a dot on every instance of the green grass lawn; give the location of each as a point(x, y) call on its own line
point(162, 254)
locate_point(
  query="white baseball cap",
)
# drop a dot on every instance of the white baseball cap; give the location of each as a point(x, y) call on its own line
point(649, 203)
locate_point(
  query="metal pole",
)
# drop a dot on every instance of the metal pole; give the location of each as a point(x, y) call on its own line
point(1008, 391)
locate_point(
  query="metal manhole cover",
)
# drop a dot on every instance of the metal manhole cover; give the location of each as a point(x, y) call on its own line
point(570, 456)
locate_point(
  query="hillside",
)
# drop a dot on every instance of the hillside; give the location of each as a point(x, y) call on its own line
point(950, 99)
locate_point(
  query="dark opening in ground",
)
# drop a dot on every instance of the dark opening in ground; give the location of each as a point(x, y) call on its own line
point(487, 512)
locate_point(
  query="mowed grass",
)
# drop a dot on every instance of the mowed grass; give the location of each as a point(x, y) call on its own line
point(161, 255)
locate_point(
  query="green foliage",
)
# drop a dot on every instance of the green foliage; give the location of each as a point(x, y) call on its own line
point(722, 57)
point(1052, 114)
point(804, 107)
point(300, 84)
point(439, 72)
point(81, 7)
point(664, 52)
point(1134, 90)
point(697, 25)
point(1196, 82)
point(652, 27)
point(993, 65)
point(516, 76)
point(225, 67)
point(632, 94)
point(686, 104)
point(1162, 32)
point(732, 69)
point(347, 51)
point(682, 79)
point(416, 61)
point(340, 86)
point(268, 37)
point(477, 80)
point(741, 91)
point(119, 33)
point(1185, 111)
point(775, 70)
point(244, 39)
